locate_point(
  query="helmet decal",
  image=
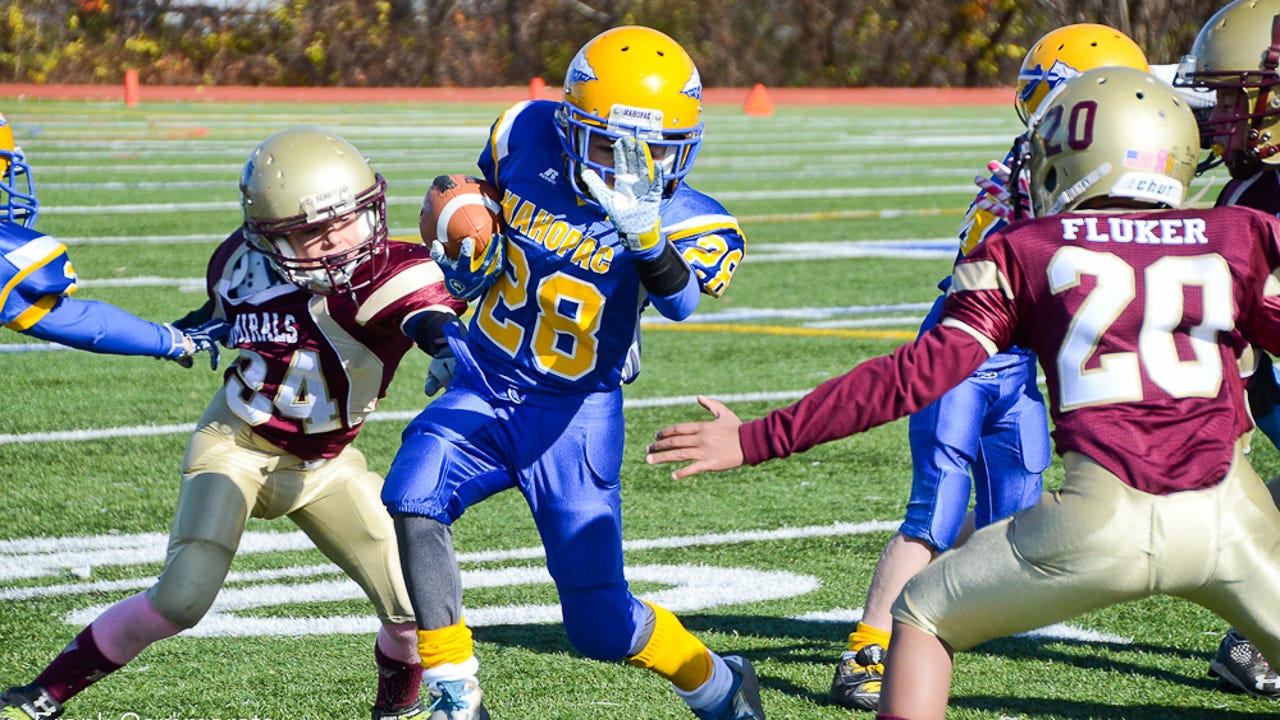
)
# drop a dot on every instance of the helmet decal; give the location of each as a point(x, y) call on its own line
point(1054, 76)
point(580, 71)
point(646, 120)
point(1067, 51)
point(693, 88)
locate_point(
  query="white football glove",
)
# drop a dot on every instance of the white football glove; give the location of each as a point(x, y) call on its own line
point(440, 373)
point(632, 203)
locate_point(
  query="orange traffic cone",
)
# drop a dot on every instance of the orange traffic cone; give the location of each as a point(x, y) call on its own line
point(758, 102)
point(536, 86)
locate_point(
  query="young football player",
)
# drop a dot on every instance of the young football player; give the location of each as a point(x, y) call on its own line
point(1235, 55)
point(322, 308)
point(36, 281)
point(599, 225)
point(992, 425)
point(1147, 402)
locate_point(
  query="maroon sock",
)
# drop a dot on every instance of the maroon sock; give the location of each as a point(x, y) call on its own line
point(80, 665)
point(398, 682)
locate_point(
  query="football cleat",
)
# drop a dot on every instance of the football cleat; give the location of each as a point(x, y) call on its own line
point(744, 694)
point(456, 700)
point(1238, 665)
point(858, 678)
point(409, 712)
point(29, 702)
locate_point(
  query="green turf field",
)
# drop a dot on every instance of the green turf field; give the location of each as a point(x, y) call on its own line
point(850, 215)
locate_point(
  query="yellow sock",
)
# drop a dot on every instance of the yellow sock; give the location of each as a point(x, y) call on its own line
point(451, 644)
point(865, 635)
point(673, 652)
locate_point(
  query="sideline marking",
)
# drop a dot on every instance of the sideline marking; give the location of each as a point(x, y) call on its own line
point(685, 588)
point(784, 330)
point(377, 416)
point(36, 557)
point(1056, 631)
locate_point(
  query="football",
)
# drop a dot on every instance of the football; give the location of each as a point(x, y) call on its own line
point(459, 207)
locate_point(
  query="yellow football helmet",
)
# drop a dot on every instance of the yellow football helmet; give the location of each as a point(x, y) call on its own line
point(1112, 132)
point(1237, 50)
point(19, 204)
point(1068, 51)
point(632, 80)
point(306, 178)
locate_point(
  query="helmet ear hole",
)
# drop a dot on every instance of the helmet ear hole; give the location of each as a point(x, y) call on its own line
point(1051, 180)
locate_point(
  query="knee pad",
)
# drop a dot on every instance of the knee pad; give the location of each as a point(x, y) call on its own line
point(191, 579)
point(599, 626)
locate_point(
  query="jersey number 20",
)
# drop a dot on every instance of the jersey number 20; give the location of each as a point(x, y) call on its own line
point(1117, 377)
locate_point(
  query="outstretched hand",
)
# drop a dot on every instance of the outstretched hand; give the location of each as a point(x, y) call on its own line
point(633, 202)
point(201, 338)
point(996, 197)
point(712, 445)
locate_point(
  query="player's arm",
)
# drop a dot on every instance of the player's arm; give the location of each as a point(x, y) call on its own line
point(415, 297)
point(671, 284)
point(431, 330)
point(427, 329)
point(199, 316)
point(103, 328)
point(875, 392)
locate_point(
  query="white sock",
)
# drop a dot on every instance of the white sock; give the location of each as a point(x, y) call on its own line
point(451, 671)
point(715, 691)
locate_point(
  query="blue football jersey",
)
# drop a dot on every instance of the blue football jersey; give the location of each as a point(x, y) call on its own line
point(34, 272)
point(564, 316)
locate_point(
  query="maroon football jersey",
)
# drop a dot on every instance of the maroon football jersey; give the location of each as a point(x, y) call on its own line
point(1262, 191)
point(1138, 320)
point(312, 367)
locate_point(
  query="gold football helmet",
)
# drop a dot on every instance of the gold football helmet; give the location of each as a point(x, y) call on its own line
point(632, 81)
point(1236, 54)
point(1066, 52)
point(305, 178)
point(1112, 132)
point(19, 204)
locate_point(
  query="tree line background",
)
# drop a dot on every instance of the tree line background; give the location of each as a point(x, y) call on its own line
point(461, 43)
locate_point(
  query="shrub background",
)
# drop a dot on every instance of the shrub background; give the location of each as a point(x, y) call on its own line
point(430, 43)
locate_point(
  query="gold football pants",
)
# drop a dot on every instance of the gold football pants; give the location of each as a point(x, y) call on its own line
point(1098, 542)
point(231, 474)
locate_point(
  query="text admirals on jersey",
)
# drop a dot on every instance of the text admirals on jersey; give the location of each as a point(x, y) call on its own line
point(264, 327)
point(1164, 231)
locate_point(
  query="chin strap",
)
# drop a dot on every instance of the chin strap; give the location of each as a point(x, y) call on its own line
point(1067, 198)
